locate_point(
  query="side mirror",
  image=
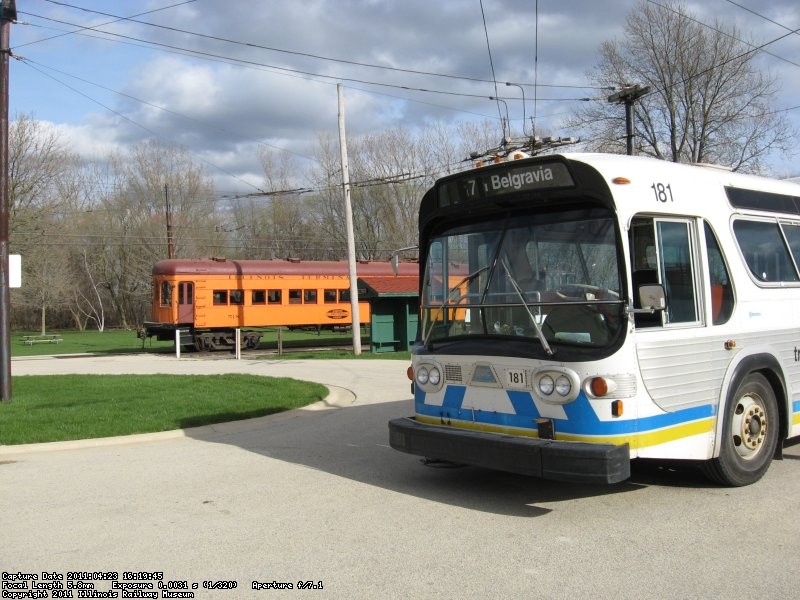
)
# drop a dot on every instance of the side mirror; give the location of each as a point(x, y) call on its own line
point(652, 297)
point(396, 258)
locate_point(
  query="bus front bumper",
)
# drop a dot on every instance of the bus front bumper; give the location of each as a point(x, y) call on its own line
point(547, 459)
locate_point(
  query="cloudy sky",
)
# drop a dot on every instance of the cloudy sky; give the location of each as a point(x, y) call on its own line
point(226, 77)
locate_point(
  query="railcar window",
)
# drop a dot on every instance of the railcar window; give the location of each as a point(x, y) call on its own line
point(344, 295)
point(166, 294)
point(329, 296)
point(274, 296)
point(309, 296)
point(185, 292)
point(237, 296)
point(259, 297)
point(295, 296)
point(220, 296)
point(764, 250)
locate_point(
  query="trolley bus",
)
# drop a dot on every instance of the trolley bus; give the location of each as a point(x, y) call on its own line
point(606, 308)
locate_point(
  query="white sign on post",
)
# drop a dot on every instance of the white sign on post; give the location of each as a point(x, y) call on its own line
point(14, 270)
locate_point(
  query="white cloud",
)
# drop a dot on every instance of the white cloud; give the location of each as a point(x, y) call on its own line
point(223, 111)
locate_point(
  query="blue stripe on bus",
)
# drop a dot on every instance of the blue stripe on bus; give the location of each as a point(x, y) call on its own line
point(581, 418)
point(454, 397)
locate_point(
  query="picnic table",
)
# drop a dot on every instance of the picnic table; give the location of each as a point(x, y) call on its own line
point(50, 338)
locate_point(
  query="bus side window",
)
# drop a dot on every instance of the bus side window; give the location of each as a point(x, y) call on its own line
point(764, 250)
point(720, 281)
point(792, 233)
point(644, 267)
point(675, 255)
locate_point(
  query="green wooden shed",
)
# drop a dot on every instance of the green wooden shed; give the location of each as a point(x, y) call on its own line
point(394, 311)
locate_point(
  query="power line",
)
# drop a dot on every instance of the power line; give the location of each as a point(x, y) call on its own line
point(158, 107)
point(751, 11)
point(116, 20)
point(726, 34)
point(135, 123)
point(294, 52)
point(253, 63)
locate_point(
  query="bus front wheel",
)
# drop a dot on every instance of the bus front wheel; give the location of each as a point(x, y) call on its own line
point(749, 434)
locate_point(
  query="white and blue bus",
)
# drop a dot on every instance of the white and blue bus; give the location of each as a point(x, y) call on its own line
point(583, 310)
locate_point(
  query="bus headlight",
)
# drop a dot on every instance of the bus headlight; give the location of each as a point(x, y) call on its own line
point(563, 386)
point(428, 377)
point(546, 385)
point(556, 385)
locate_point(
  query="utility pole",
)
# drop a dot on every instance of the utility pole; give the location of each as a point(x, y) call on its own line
point(628, 95)
point(8, 14)
point(351, 244)
point(170, 241)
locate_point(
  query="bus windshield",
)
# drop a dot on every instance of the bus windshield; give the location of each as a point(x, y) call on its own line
point(553, 277)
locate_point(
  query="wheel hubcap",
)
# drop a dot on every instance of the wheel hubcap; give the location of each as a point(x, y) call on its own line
point(749, 426)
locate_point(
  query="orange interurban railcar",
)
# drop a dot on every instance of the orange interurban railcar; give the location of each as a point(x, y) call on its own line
point(209, 299)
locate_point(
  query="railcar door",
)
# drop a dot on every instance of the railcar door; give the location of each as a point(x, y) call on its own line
point(185, 302)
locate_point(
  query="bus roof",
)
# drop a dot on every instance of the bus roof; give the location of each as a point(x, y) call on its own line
point(644, 184)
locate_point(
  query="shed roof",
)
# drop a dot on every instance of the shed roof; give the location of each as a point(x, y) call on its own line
point(402, 286)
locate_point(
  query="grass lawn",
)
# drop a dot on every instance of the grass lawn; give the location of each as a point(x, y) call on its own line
point(125, 342)
point(113, 341)
point(69, 407)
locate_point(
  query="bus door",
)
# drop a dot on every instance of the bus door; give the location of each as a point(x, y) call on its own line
point(676, 355)
point(185, 302)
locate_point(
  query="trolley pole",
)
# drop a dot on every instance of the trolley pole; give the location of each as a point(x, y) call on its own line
point(8, 14)
point(628, 95)
point(170, 240)
point(351, 244)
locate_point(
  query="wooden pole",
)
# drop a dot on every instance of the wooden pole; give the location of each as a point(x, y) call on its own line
point(351, 245)
point(8, 14)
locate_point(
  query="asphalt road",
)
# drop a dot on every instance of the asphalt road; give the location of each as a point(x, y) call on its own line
point(316, 495)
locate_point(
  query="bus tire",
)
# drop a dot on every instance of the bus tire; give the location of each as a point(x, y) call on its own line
point(749, 434)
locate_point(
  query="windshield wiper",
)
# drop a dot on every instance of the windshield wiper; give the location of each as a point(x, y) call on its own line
point(447, 299)
point(517, 289)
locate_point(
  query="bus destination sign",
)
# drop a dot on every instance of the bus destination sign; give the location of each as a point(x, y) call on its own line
point(478, 185)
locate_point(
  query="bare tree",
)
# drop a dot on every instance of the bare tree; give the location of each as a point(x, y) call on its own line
point(327, 204)
point(44, 192)
point(38, 164)
point(126, 228)
point(88, 305)
point(708, 100)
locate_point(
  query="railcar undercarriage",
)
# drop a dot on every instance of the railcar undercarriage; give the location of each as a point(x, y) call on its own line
point(203, 340)
point(225, 340)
